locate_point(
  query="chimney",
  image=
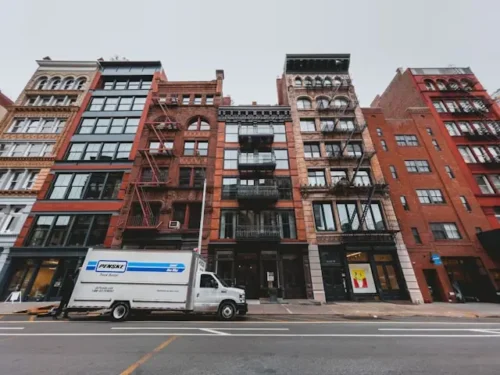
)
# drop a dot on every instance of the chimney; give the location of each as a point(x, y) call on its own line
point(47, 58)
point(254, 103)
point(219, 74)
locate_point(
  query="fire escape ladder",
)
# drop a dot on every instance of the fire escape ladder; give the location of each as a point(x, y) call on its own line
point(360, 162)
point(346, 143)
point(155, 169)
point(145, 208)
point(367, 207)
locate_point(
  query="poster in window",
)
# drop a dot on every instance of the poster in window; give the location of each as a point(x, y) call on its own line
point(362, 278)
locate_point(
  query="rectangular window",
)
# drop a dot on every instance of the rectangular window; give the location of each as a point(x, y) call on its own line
point(316, 177)
point(184, 177)
point(445, 231)
point(96, 104)
point(465, 203)
point(348, 213)
point(185, 99)
point(465, 127)
point(449, 172)
point(416, 235)
point(429, 131)
point(495, 179)
point(281, 159)
point(311, 150)
point(230, 159)
point(481, 154)
point(431, 196)
point(111, 104)
point(333, 149)
point(68, 230)
point(436, 145)
point(307, 125)
point(279, 133)
point(327, 125)
point(362, 178)
point(284, 187)
point(197, 100)
point(323, 216)
point(229, 187)
point(407, 140)
point(194, 215)
point(179, 212)
point(227, 224)
point(452, 106)
point(123, 151)
point(379, 132)
point(417, 166)
point(86, 186)
point(465, 106)
point(354, 150)
point(189, 148)
point(452, 129)
point(202, 148)
point(125, 104)
point(439, 106)
point(404, 203)
point(139, 104)
point(484, 184)
point(394, 173)
point(209, 100)
point(199, 177)
point(384, 145)
point(338, 175)
point(231, 133)
point(374, 219)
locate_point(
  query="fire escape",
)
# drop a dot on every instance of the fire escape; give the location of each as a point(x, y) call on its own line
point(143, 212)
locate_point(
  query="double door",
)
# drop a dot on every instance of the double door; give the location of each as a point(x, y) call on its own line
point(335, 283)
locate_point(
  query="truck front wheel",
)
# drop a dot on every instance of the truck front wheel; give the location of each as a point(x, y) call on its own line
point(120, 312)
point(227, 311)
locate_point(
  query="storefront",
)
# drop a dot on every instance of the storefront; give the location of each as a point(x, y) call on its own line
point(39, 278)
point(361, 273)
point(258, 270)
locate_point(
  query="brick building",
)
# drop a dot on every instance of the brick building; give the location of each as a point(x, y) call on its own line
point(4, 103)
point(440, 138)
point(176, 152)
point(31, 133)
point(355, 248)
point(257, 234)
point(79, 203)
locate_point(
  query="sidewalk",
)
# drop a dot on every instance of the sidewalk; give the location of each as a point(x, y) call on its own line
point(343, 309)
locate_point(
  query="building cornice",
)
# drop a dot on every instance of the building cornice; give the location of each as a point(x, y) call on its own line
point(255, 114)
point(91, 65)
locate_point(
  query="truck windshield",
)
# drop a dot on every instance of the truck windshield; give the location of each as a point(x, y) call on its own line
point(224, 284)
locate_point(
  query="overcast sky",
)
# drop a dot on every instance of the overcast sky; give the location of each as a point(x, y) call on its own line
point(249, 39)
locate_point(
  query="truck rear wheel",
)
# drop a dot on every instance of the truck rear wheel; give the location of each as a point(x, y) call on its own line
point(227, 311)
point(120, 311)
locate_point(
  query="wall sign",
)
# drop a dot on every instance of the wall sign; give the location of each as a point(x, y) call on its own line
point(362, 278)
point(436, 259)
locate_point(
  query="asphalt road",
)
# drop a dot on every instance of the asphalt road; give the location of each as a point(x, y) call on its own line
point(267, 345)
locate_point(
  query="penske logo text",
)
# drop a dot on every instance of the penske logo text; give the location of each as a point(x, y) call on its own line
point(111, 266)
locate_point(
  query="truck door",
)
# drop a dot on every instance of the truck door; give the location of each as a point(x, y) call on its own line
point(207, 294)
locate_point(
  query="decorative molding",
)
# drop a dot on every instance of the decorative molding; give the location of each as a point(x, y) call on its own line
point(255, 114)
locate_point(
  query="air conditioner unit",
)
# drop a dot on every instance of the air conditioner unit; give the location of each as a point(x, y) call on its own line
point(161, 126)
point(162, 100)
point(174, 225)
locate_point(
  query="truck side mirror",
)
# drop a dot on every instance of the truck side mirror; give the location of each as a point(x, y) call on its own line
point(215, 284)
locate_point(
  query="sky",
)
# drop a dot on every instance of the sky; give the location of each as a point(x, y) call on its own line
point(249, 39)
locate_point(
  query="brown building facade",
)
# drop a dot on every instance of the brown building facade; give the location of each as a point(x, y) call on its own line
point(257, 234)
point(437, 131)
point(355, 249)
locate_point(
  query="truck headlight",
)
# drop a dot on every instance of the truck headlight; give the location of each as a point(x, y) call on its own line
point(242, 297)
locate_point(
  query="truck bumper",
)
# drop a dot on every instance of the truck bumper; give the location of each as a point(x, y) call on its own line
point(242, 308)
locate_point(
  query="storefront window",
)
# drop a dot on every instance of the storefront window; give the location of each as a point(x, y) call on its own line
point(357, 257)
point(43, 279)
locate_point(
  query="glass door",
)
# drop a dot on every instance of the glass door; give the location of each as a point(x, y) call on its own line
point(387, 276)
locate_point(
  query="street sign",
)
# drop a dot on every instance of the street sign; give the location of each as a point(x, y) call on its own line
point(270, 276)
point(436, 259)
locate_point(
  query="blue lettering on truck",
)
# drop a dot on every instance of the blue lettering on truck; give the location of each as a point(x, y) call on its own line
point(121, 266)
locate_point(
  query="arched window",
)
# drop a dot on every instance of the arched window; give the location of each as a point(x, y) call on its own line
point(298, 82)
point(322, 102)
point(466, 84)
point(68, 83)
point(441, 85)
point(54, 83)
point(430, 85)
point(453, 84)
point(303, 103)
point(80, 83)
point(318, 82)
point(198, 123)
point(340, 103)
point(327, 82)
point(337, 81)
point(40, 84)
point(308, 82)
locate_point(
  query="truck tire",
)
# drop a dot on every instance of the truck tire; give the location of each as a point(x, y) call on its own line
point(227, 311)
point(120, 312)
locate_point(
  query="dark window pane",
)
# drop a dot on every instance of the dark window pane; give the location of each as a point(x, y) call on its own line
point(112, 186)
point(99, 230)
point(194, 215)
point(79, 230)
point(40, 230)
point(199, 177)
point(59, 231)
point(184, 176)
point(95, 186)
point(179, 212)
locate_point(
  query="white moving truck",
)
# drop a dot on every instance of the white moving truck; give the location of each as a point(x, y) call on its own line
point(122, 281)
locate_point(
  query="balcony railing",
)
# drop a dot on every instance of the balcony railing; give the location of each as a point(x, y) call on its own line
point(337, 155)
point(335, 128)
point(369, 236)
point(492, 163)
point(258, 233)
point(140, 222)
point(253, 135)
point(344, 187)
point(256, 162)
point(248, 193)
point(480, 135)
point(167, 152)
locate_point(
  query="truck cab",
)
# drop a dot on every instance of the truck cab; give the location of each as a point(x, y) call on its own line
point(213, 295)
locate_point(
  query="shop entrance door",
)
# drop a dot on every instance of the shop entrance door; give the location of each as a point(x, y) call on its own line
point(334, 283)
point(247, 275)
point(387, 277)
point(432, 280)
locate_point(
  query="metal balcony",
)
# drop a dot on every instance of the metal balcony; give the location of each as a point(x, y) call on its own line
point(337, 155)
point(140, 222)
point(345, 188)
point(493, 163)
point(257, 193)
point(336, 129)
point(258, 233)
point(256, 163)
point(255, 135)
point(480, 136)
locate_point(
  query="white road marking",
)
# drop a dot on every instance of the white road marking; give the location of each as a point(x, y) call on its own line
point(287, 309)
point(195, 328)
point(214, 331)
point(486, 331)
point(429, 329)
point(12, 328)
